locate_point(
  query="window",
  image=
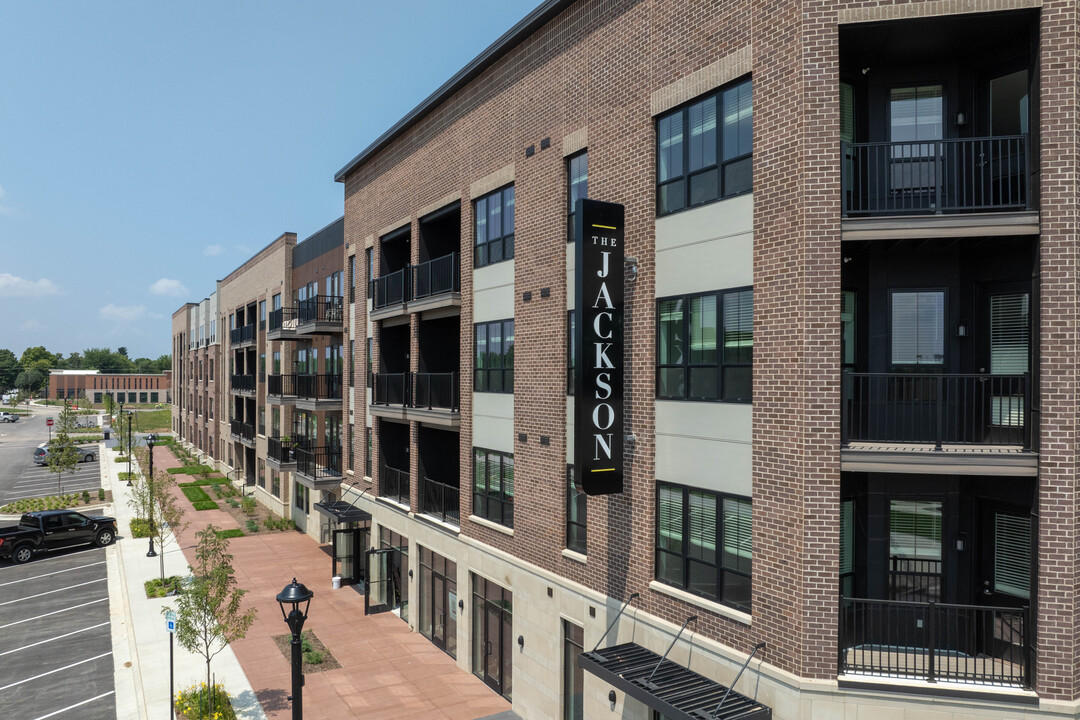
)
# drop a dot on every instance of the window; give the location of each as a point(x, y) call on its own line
point(300, 497)
point(262, 314)
point(918, 327)
point(275, 302)
point(699, 163)
point(370, 271)
point(494, 227)
point(848, 303)
point(703, 543)
point(275, 483)
point(493, 486)
point(494, 359)
point(367, 455)
point(97, 397)
point(142, 397)
point(576, 509)
point(349, 445)
point(915, 115)
point(571, 351)
point(573, 675)
point(262, 474)
point(577, 186)
point(691, 366)
point(153, 397)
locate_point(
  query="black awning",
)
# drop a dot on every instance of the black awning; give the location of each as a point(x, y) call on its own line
point(342, 511)
point(677, 692)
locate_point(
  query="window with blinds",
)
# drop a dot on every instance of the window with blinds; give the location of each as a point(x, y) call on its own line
point(1010, 334)
point(1012, 555)
point(847, 326)
point(915, 529)
point(690, 363)
point(918, 327)
point(703, 543)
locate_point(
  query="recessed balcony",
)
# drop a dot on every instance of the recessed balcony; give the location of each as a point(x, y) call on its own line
point(242, 384)
point(242, 431)
point(394, 484)
point(431, 398)
point(318, 392)
point(318, 468)
point(281, 389)
point(415, 288)
point(282, 325)
point(242, 336)
point(321, 315)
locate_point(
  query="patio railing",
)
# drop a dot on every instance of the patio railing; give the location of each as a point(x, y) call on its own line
point(440, 501)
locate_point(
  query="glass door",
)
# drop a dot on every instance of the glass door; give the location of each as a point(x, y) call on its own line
point(492, 635)
point(379, 594)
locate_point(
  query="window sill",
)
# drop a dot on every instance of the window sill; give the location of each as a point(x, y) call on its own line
point(492, 525)
point(703, 603)
point(575, 556)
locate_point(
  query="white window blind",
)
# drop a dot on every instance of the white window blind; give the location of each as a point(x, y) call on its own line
point(738, 534)
point(1012, 555)
point(918, 328)
point(1010, 333)
point(703, 526)
point(915, 529)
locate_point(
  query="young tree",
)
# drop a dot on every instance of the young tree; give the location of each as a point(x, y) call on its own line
point(154, 499)
point(63, 457)
point(208, 612)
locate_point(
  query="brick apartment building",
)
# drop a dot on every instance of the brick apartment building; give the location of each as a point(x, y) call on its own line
point(848, 317)
point(126, 387)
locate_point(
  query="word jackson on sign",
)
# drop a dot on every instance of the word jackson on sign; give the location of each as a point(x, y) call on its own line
point(598, 337)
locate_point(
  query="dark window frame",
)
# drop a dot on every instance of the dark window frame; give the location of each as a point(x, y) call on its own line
point(570, 163)
point(502, 246)
point(685, 175)
point(484, 377)
point(495, 506)
point(576, 530)
point(686, 366)
point(722, 568)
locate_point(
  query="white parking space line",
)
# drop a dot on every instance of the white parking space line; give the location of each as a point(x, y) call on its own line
point(52, 672)
point(55, 612)
point(52, 592)
point(72, 707)
point(58, 637)
point(57, 572)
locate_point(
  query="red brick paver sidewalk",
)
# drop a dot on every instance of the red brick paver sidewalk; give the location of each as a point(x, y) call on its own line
point(387, 670)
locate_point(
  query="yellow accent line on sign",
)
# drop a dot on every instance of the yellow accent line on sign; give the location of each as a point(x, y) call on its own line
point(603, 470)
point(606, 227)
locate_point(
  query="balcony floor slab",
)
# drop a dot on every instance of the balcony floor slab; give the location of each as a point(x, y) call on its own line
point(899, 227)
point(996, 460)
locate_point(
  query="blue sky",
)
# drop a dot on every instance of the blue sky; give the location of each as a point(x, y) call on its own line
point(148, 148)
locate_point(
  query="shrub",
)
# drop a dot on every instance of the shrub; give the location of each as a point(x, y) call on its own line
point(233, 502)
point(121, 458)
point(248, 503)
point(202, 703)
point(156, 588)
point(53, 502)
point(233, 533)
point(140, 528)
point(86, 496)
point(205, 505)
point(101, 493)
point(313, 657)
point(125, 475)
point(223, 490)
point(253, 526)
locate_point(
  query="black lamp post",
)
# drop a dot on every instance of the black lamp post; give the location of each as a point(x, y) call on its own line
point(129, 449)
point(150, 439)
point(294, 595)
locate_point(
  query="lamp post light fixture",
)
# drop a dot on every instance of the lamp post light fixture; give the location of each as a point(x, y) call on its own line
point(293, 596)
point(150, 439)
point(130, 451)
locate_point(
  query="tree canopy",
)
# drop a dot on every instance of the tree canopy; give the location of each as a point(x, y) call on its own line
point(14, 370)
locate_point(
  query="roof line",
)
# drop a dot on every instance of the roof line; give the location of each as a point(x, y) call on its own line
point(510, 39)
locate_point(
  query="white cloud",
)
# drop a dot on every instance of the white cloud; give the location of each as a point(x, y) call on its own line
point(243, 249)
point(165, 286)
point(13, 286)
point(125, 313)
point(213, 249)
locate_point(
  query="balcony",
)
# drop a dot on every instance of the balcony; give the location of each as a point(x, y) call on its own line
point(242, 336)
point(391, 290)
point(937, 423)
point(318, 392)
point(416, 288)
point(394, 485)
point(282, 326)
point(281, 389)
point(242, 384)
point(934, 642)
point(281, 451)
point(432, 398)
point(319, 468)
point(440, 501)
point(242, 431)
point(321, 315)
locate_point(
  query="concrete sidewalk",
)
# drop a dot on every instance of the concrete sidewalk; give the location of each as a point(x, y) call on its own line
point(140, 639)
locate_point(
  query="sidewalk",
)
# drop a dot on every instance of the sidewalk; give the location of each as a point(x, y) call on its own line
point(387, 670)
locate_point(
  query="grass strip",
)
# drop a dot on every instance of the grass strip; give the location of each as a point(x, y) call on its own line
point(226, 534)
point(194, 493)
point(205, 505)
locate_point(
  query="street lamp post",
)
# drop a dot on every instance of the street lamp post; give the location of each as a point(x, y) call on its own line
point(129, 452)
point(293, 596)
point(150, 486)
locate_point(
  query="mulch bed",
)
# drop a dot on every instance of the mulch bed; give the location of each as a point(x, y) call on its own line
point(284, 643)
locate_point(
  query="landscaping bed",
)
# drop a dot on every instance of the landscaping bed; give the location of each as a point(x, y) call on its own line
point(57, 502)
point(316, 658)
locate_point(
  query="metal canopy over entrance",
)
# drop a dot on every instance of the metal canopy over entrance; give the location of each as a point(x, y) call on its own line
point(343, 512)
point(677, 692)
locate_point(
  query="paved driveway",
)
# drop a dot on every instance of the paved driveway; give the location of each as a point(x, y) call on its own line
point(21, 478)
point(56, 655)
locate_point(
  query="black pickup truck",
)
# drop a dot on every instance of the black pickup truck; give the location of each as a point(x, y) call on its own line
point(52, 530)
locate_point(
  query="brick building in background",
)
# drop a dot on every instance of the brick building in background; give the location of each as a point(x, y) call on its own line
point(849, 398)
point(95, 385)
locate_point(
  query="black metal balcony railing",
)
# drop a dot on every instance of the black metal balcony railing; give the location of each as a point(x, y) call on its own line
point(914, 579)
point(956, 409)
point(435, 391)
point(243, 383)
point(391, 289)
point(935, 641)
point(440, 501)
point(281, 385)
point(434, 277)
point(284, 449)
point(391, 389)
point(940, 176)
point(242, 334)
point(322, 309)
point(394, 484)
point(240, 429)
point(319, 463)
point(318, 387)
point(283, 319)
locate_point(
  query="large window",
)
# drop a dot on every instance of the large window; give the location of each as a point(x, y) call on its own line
point(576, 509)
point(493, 486)
point(703, 150)
point(694, 360)
point(495, 227)
point(918, 327)
point(577, 186)
point(494, 360)
point(703, 542)
point(573, 674)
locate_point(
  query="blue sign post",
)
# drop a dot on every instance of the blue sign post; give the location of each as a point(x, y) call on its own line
point(170, 625)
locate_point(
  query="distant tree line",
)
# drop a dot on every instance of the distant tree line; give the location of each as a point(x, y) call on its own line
point(30, 372)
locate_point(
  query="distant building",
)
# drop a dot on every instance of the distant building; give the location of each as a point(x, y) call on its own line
point(143, 388)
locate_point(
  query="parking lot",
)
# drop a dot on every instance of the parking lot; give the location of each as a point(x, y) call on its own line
point(56, 658)
point(21, 478)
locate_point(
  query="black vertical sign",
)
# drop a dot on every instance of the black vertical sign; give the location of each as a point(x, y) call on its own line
point(598, 338)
